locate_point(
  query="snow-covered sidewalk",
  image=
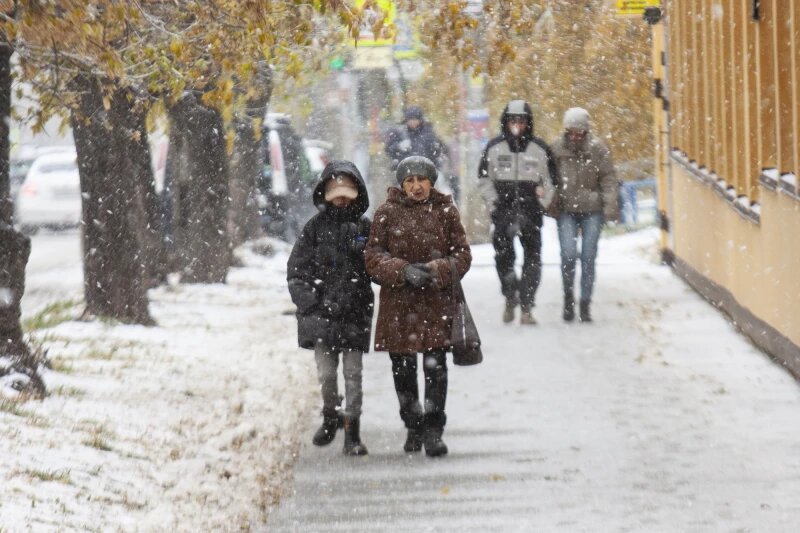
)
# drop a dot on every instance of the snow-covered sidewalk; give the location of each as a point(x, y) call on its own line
point(659, 416)
point(188, 426)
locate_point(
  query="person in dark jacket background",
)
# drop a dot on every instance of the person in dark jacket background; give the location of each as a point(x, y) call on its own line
point(415, 136)
point(329, 285)
point(517, 177)
point(415, 235)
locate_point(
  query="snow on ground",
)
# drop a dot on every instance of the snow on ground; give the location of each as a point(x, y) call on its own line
point(190, 426)
point(657, 417)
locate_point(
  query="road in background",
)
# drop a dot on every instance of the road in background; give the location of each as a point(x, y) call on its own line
point(54, 272)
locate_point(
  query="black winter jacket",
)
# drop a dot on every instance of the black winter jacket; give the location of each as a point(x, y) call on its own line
point(421, 141)
point(327, 277)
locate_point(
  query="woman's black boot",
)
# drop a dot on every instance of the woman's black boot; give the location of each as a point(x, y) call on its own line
point(415, 436)
point(434, 427)
point(352, 439)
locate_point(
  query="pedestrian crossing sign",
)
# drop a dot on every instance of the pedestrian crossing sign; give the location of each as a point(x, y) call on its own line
point(635, 7)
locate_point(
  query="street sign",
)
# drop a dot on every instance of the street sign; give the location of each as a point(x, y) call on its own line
point(635, 7)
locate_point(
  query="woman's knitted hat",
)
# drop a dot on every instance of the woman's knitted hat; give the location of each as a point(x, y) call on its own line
point(416, 165)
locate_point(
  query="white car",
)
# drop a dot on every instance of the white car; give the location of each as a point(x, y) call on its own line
point(50, 194)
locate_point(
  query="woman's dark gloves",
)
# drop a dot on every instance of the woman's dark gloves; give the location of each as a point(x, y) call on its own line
point(417, 275)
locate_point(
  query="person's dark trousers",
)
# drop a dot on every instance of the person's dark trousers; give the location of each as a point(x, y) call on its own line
point(404, 371)
point(508, 225)
point(434, 364)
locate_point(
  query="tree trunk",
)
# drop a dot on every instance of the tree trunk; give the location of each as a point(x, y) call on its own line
point(6, 203)
point(15, 249)
point(115, 222)
point(247, 164)
point(199, 187)
point(247, 161)
point(137, 152)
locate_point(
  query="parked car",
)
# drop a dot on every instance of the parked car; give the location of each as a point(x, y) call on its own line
point(17, 170)
point(23, 157)
point(287, 180)
point(50, 194)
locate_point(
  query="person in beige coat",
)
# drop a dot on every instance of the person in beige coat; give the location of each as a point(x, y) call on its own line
point(587, 198)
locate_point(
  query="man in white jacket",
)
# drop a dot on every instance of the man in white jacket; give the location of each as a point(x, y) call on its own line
point(516, 177)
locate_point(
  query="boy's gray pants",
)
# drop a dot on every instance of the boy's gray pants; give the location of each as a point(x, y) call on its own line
point(327, 363)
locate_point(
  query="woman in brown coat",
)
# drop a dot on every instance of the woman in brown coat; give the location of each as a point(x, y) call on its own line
point(415, 235)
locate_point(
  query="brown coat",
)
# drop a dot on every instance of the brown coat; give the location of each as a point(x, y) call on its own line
point(403, 231)
point(587, 181)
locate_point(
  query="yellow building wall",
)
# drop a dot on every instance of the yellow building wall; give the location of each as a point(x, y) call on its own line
point(759, 264)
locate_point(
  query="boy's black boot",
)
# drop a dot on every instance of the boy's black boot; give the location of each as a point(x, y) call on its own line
point(586, 315)
point(327, 431)
point(434, 427)
point(569, 307)
point(352, 438)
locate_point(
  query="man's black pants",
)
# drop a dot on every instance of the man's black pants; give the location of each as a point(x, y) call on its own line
point(509, 224)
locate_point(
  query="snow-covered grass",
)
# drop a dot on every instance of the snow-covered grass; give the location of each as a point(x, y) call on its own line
point(190, 426)
point(52, 314)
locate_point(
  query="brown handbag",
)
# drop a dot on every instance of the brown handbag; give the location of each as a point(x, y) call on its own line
point(464, 339)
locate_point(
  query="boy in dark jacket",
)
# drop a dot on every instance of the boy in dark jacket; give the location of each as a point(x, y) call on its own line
point(329, 285)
